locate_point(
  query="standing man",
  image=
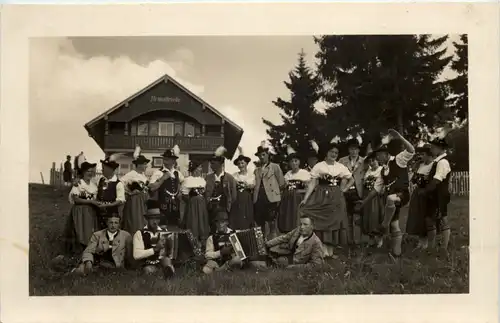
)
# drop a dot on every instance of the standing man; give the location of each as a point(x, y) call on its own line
point(354, 163)
point(68, 172)
point(165, 185)
point(269, 181)
point(110, 191)
point(396, 186)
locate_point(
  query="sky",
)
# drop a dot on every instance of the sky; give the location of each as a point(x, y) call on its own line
point(72, 80)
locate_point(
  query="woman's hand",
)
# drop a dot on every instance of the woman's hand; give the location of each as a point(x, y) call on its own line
point(359, 205)
point(303, 202)
point(88, 268)
point(394, 134)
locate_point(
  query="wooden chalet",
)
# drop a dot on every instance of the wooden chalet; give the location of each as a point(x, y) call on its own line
point(161, 115)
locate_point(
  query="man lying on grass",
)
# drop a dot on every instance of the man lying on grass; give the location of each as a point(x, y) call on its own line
point(152, 244)
point(108, 248)
point(298, 248)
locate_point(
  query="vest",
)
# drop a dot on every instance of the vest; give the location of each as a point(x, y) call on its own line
point(168, 191)
point(107, 194)
point(220, 240)
point(441, 194)
point(219, 191)
point(150, 242)
point(397, 180)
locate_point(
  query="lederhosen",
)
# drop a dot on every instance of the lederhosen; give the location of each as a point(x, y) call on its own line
point(150, 242)
point(218, 200)
point(396, 182)
point(169, 203)
point(221, 240)
point(106, 193)
point(107, 256)
point(438, 202)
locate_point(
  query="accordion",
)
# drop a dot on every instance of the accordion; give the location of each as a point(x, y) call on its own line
point(183, 245)
point(248, 243)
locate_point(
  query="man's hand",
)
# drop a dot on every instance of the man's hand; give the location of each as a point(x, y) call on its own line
point(226, 250)
point(88, 267)
point(359, 205)
point(160, 245)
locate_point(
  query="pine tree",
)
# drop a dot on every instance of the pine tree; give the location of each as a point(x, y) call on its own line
point(298, 115)
point(459, 99)
point(381, 82)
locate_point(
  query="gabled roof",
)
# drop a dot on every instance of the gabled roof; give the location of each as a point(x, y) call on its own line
point(164, 78)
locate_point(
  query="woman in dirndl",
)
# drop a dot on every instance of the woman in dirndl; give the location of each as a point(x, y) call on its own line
point(242, 212)
point(195, 217)
point(324, 201)
point(371, 206)
point(296, 180)
point(136, 192)
point(417, 210)
point(82, 221)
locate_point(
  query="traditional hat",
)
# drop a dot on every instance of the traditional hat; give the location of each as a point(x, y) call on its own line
point(264, 147)
point(384, 142)
point(291, 153)
point(370, 156)
point(218, 155)
point(440, 139)
point(221, 215)
point(138, 158)
point(110, 161)
point(256, 163)
point(172, 153)
point(241, 156)
point(334, 143)
point(193, 165)
point(85, 166)
point(314, 149)
point(353, 143)
point(153, 209)
point(424, 149)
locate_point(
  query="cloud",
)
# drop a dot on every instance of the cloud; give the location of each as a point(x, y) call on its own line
point(67, 90)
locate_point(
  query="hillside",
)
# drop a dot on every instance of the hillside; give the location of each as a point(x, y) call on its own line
point(360, 271)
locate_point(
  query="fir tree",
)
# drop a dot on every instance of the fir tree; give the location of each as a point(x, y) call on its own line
point(298, 115)
point(459, 99)
point(379, 82)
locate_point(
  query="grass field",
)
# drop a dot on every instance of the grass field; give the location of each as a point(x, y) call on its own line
point(360, 271)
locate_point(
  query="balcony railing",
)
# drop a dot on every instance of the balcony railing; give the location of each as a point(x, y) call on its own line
point(202, 143)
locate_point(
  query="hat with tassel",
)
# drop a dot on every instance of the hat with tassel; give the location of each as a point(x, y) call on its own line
point(138, 158)
point(241, 157)
point(440, 139)
point(172, 153)
point(112, 160)
point(219, 155)
point(353, 143)
point(291, 153)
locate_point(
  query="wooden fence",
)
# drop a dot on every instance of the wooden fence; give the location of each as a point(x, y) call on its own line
point(459, 181)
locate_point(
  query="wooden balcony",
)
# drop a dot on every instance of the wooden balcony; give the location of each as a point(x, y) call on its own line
point(202, 143)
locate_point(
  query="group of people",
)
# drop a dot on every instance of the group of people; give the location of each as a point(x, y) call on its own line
point(305, 213)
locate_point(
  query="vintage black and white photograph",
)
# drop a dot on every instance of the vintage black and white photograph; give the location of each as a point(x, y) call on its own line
point(249, 165)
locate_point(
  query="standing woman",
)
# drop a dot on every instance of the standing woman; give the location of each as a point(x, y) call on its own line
point(324, 201)
point(241, 216)
point(136, 194)
point(82, 221)
point(371, 205)
point(195, 217)
point(296, 180)
point(418, 211)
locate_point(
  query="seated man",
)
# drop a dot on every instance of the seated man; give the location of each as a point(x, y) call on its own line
point(219, 251)
point(298, 248)
point(108, 248)
point(152, 244)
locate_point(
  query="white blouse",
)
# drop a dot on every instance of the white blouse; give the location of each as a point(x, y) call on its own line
point(87, 189)
point(248, 178)
point(335, 170)
point(131, 177)
point(192, 182)
point(302, 175)
point(424, 169)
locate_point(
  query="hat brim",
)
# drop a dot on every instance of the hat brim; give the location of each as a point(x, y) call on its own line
point(169, 156)
point(219, 159)
point(113, 165)
point(244, 158)
point(141, 161)
point(292, 156)
point(152, 214)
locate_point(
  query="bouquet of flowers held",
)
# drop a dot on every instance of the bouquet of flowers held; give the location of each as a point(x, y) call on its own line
point(331, 180)
point(420, 180)
point(140, 186)
point(196, 191)
point(241, 186)
point(294, 184)
point(370, 182)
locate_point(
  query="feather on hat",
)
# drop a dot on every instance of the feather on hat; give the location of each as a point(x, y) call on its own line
point(112, 160)
point(241, 156)
point(219, 154)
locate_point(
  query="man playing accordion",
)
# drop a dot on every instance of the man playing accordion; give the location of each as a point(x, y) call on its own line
point(219, 252)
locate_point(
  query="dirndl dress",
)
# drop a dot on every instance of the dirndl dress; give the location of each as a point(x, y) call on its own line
point(81, 224)
point(133, 212)
point(241, 216)
point(196, 215)
point(373, 212)
point(326, 206)
point(418, 208)
point(288, 218)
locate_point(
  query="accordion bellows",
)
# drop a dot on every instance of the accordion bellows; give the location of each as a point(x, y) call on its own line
point(184, 245)
point(249, 243)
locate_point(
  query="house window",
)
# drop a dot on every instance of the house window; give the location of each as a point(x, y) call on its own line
point(157, 162)
point(153, 128)
point(133, 128)
point(189, 130)
point(178, 128)
point(142, 128)
point(166, 129)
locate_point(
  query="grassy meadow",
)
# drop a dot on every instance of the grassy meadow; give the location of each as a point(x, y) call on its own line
point(356, 271)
